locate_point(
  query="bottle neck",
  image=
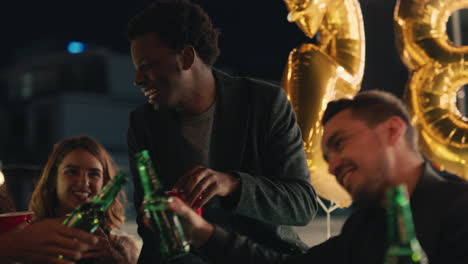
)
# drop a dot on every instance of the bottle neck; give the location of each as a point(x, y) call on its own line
point(399, 217)
point(150, 185)
point(149, 178)
point(107, 194)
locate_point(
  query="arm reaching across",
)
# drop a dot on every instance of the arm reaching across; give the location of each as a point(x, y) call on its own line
point(43, 242)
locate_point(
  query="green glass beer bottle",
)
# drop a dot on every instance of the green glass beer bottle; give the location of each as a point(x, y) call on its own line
point(403, 245)
point(89, 216)
point(165, 223)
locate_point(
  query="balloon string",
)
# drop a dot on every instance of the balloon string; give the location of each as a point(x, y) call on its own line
point(328, 211)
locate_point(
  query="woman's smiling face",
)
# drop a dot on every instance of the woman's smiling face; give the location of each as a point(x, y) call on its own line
point(79, 178)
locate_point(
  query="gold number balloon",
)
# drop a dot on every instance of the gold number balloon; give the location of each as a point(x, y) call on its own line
point(438, 69)
point(316, 74)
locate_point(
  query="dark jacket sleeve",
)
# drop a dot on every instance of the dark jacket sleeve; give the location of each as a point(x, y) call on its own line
point(283, 195)
point(225, 247)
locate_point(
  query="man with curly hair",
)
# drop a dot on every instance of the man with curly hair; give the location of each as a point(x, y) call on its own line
point(229, 144)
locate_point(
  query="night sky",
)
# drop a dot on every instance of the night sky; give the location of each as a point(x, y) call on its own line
point(255, 41)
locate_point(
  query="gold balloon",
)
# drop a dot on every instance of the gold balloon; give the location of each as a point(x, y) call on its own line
point(315, 75)
point(438, 69)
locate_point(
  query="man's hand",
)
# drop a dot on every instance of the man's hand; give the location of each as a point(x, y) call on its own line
point(44, 242)
point(200, 230)
point(200, 184)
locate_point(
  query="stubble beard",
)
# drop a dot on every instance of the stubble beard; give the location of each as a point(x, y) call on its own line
point(373, 190)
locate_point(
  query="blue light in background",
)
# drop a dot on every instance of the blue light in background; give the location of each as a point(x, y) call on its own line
point(75, 47)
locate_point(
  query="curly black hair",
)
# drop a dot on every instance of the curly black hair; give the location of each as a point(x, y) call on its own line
point(178, 23)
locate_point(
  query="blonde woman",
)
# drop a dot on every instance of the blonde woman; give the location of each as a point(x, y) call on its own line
point(74, 173)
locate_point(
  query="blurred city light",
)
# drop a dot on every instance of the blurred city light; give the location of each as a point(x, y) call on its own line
point(75, 47)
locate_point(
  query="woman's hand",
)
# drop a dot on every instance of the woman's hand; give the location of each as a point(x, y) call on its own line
point(101, 248)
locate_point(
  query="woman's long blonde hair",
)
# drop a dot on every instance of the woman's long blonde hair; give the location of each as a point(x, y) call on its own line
point(44, 198)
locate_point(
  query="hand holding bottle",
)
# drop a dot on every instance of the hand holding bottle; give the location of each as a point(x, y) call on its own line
point(181, 196)
point(101, 248)
point(164, 223)
point(200, 229)
point(43, 241)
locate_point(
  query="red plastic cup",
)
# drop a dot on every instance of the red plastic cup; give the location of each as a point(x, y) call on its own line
point(9, 221)
point(181, 196)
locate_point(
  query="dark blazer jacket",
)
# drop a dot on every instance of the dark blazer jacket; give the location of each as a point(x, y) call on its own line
point(440, 217)
point(256, 137)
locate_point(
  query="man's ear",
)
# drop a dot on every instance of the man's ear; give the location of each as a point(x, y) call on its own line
point(396, 128)
point(187, 57)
